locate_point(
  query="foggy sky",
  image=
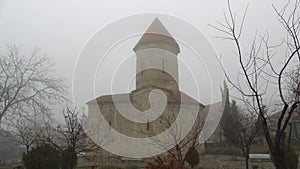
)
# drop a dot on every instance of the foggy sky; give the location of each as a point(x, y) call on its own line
point(62, 28)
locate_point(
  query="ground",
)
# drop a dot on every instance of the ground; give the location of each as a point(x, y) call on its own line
point(221, 162)
point(229, 162)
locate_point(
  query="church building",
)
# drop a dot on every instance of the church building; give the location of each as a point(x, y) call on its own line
point(156, 69)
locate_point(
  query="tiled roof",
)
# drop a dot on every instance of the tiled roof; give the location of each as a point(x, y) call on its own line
point(179, 97)
point(156, 33)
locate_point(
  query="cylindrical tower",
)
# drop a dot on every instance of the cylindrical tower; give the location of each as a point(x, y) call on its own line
point(157, 63)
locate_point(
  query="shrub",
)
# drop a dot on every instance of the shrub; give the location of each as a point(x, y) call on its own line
point(164, 163)
point(291, 158)
point(68, 159)
point(42, 157)
point(192, 157)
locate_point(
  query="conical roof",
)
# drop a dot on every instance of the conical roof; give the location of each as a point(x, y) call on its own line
point(156, 33)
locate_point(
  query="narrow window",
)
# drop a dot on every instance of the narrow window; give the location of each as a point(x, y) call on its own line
point(142, 68)
point(109, 122)
point(163, 65)
point(148, 125)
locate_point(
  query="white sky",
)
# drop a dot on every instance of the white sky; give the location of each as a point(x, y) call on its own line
point(61, 28)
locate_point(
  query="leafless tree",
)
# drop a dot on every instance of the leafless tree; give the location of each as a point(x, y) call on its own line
point(173, 136)
point(22, 131)
point(25, 131)
point(70, 135)
point(259, 70)
point(26, 83)
point(241, 132)
point(292, 88)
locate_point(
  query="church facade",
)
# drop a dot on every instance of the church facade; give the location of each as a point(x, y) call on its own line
point(156, 69)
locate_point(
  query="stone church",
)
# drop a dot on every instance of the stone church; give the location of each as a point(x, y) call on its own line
point(156, 69)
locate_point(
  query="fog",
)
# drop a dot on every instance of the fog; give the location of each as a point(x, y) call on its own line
point(61, 29)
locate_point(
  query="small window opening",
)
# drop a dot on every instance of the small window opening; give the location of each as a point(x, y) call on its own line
point(148, 125)
point(142, 68)
point(109, 122)
point(163, 65)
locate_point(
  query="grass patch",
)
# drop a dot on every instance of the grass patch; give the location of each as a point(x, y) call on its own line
point(259, 150)
point(6, 167)
point(223, 151)
point(231, 150)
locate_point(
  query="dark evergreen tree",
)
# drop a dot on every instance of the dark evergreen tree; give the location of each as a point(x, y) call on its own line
point(230, 123)
point(239, 128)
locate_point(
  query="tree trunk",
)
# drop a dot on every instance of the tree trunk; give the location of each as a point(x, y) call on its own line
point(72, 161)
point(27, 149)
point(247, 162)
point(179, 155)
point(276, 147)
point(278, 159)
point(246, 151)
point(279, 165)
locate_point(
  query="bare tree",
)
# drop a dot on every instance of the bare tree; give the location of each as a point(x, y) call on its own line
point(292, 88)
point(70, 137)
point(173, 137)
point(259, 71)
point(241, 132)
point(26, 85)
point(23, 132)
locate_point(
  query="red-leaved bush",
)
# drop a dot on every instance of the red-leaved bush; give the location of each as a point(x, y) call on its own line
point(164, 163)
